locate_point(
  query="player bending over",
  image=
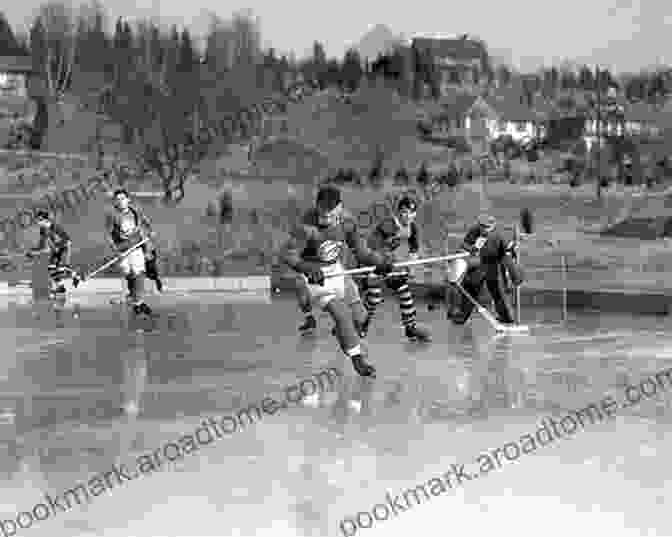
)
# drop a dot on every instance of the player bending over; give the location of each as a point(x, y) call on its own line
point(489, 255)
point(399, 229)
point(55, 241)
point(316, 250)
point(126, 226)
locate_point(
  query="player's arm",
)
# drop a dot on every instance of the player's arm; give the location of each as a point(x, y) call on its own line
point(110, 231)
point(291, 251)
point(377, 237)
point(145, 223)
point(291, 255)
point(364, 254)
point(414, 240)
point(42, 245)
point(64, 236)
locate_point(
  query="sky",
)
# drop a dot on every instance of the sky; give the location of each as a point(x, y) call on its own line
point(624, 35)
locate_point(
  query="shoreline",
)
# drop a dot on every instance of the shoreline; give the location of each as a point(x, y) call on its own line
point(616, 300)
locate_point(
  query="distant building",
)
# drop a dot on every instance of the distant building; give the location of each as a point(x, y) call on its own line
point(460, 61)
point(15, 74)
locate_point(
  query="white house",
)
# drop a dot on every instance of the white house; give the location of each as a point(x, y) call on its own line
point(515, 117)
point(642, 118)
point(14, 78)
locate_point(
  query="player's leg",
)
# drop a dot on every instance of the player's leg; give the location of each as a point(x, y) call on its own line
point(305, 305)
point(399, 284)
point(331, 297)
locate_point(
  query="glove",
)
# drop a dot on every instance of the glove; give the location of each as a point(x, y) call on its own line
point(385, 266)
point(313, 272)
point(414, 270)
point(514, 271)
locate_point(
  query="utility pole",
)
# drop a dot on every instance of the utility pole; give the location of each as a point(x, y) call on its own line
point(598, 131)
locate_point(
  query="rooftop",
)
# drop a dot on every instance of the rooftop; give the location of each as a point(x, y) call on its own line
point(460, 49)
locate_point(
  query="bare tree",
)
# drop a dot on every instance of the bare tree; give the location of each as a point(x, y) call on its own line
point(60, 30)
point(168, 140)
point(233, 43)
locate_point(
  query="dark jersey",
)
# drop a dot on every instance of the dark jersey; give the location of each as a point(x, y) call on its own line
point(53, 239)
point(326, 246)
point(489, 246)
point(127, 228)
point(389, 234)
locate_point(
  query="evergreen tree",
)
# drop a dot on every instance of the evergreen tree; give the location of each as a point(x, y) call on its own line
point(187, 57)
point(568, 80)
point(8, 43)
point(586, 79)
point(352, 70)
point(38, 49)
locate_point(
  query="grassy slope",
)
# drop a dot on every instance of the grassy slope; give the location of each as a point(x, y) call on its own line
point(559, 212)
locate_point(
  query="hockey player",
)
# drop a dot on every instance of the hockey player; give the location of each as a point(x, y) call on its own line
point(316, 250)
point(127, 226)
point(399, 229)
point(55, 241)
point(490, 253)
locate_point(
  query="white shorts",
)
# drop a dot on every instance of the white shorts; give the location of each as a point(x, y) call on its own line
point(336, 287)
point(133, 262)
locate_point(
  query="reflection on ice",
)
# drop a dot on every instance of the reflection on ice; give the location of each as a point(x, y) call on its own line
point(82, 390)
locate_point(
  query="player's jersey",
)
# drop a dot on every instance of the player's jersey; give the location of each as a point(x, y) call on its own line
point(327, 246)
point(55, 238)
point(390, 234)
point(126, 228)
point(490, 246)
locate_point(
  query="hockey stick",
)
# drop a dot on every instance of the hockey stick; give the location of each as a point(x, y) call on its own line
point(403, 264)
point(76, 280)
point(499, 327)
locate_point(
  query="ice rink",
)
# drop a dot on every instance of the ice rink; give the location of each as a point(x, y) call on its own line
point(67, 373)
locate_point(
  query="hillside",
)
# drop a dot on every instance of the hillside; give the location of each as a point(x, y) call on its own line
point(350, 133)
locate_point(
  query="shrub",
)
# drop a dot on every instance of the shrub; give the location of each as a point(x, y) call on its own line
point(452, 179)
point(225, 207)
point(423, 175)
point(401, 176)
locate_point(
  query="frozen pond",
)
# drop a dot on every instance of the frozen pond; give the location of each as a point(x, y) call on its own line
point(302, 470)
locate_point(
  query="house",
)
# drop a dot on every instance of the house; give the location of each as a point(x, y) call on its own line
point(464, 116)
point(15, 74)
point(642, 119)
point(515, 117)
point(460, 61)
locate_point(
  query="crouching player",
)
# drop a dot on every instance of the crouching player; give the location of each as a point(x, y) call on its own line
point(126, 227)
point(490, 253)
point(55, 241)
point(387, 238)
point(316, 250)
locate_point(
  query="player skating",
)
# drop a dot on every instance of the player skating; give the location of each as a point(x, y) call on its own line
point(55, 241)
point(316, 250)
point(490, 253)
point(392, 236)
point(127, 226)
